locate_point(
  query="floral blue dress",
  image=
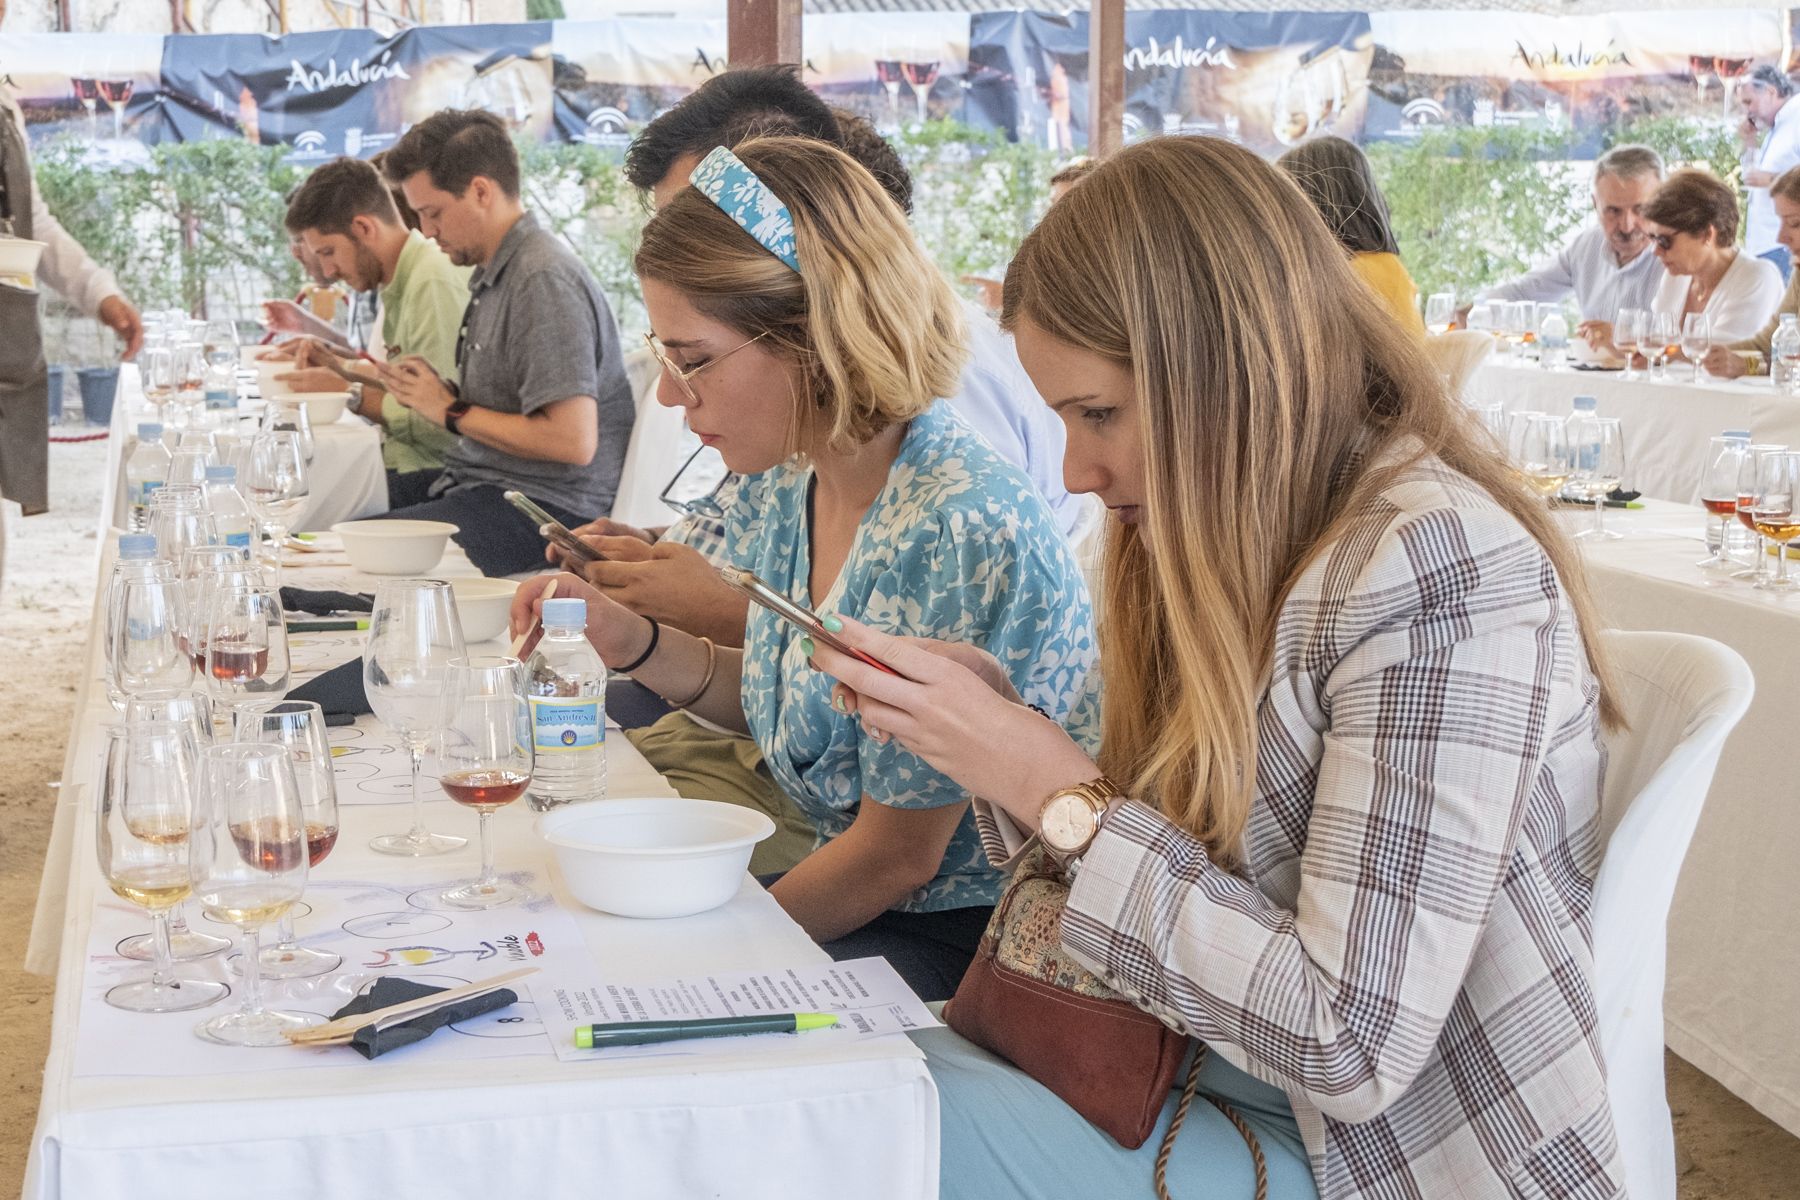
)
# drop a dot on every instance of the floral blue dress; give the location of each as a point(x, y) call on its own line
point(958, 546)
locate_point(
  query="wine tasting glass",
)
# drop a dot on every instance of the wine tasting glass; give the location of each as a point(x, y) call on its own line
point(1718, 495)
point(1626, 331)
point(1544, 459)
point(246, 645)
point(178, 520)
point(197, 564)
point(290, 415)
point(275, 481)
point(141, 825)
point(1657, 343)
point(189, 708)
point(414, 633)
point(1772, 511)
point(485, 760)
point(1440, 311)
point(1597, 452)
point(143, 637)
point(158, 377)
point(248, 864)
point(1696, 340)
point(1746, 509)
point(299, 725)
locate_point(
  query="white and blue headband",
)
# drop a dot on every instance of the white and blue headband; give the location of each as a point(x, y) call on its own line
point(723, 178)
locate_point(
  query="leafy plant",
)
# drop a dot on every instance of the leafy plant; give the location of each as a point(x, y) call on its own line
point(580, 193)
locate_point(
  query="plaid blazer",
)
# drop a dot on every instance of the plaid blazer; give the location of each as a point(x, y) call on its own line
point(1406, 951)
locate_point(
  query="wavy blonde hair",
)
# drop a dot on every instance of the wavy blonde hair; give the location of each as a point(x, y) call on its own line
point(1259, 365)
point(872, 322)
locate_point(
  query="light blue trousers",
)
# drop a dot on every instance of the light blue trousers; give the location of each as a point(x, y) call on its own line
point(1006, 1135)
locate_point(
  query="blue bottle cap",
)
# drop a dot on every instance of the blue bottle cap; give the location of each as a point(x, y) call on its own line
point(565, 614)
point(1586, 403)
point(225, 474)
point(148, 430)
point(137, 545)
point(1737, 433)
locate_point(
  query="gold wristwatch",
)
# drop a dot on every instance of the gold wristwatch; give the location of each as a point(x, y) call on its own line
point(1070, 819)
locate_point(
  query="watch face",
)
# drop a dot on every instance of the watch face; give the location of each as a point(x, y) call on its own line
point(1066, 823)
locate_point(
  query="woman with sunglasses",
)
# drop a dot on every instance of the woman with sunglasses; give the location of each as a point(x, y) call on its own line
point(808, 337)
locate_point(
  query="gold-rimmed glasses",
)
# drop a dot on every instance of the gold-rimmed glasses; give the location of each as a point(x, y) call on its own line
point(683, 377)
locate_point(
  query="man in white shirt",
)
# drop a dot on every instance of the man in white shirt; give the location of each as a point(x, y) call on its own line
point(1607, 266)
point(1771, 137)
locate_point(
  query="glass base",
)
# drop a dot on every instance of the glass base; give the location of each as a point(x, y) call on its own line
point(1772, 584)
point(416, 843)
point(1599, 535)
point(288, 962)
point(476, 895)
point(183, 947)
point(266, 1028)
point(177, 995)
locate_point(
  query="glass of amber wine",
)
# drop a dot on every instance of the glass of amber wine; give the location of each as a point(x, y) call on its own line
point(485, 761)
point(1772, 512)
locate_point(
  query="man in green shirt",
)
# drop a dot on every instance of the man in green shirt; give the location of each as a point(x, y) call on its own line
point(347, 219)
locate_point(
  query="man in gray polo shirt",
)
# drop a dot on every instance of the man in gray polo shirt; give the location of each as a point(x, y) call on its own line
point(543, 405)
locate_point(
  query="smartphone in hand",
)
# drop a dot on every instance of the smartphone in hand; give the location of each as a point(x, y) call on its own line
point(554, 531)
point(807, 622)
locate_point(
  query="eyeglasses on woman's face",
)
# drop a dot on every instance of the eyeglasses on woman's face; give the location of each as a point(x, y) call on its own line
point(684, 377)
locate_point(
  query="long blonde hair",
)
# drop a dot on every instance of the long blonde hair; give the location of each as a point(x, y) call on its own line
point(872, 322)
point(1267, 382)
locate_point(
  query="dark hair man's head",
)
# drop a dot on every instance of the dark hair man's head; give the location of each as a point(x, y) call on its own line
point(459, 171)
point(346, 220)
point(731, 107)
point(863, 142)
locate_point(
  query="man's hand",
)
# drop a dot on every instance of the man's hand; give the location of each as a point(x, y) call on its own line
point(671, 582)
point(414, 383)
point(117, 314)
point(310, 379)
point(592, 532)
point(1721, 362)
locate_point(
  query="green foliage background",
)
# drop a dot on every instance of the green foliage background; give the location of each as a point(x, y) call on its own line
point(200, 228)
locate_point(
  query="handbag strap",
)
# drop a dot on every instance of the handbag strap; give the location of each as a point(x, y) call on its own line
point(1231, 1114)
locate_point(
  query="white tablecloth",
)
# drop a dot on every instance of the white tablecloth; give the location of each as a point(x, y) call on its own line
point(1665, 424)
point(1734, 944)
point(811, 1120)
point(348, 480)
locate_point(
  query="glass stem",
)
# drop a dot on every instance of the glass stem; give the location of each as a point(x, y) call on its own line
point(486, 881)
point(1781, 564)
point(1762, 560)
point(252, 948)
point(1599, 514)
point(178, 919)
point(418, 766)
point(162, 962)
point(284, 932)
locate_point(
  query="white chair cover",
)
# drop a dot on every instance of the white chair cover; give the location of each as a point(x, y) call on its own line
point(1456, 355)
point(1682, 695)
point(654, 454)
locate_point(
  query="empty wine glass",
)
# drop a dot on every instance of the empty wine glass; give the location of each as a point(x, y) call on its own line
point(1718, 495)
point(144, 649)
point(290, 415)
point(1696, 340)
point(1597, 449)
point(178, 520)
point(1627, 331)
point(248, 864)
point(1544, 459)
point(299, 725)
point(157, 365)
point(246, 645)
point(1772, 511)
point(414, 633)
point(144, 812)
point(484, 760)
point(275, 480)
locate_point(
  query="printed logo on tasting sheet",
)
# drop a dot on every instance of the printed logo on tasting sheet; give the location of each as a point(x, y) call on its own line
point(516, 949)
point(354, 75)
point(1178, 54)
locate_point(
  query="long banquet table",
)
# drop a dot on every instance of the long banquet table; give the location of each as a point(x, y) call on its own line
point(798, 1118)
point(1666, 423)
point(1734, 945)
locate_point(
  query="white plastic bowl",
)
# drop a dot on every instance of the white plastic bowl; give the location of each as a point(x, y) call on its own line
point(394, 547)
point(19, 256)
point(653, 857)
point(322, 408)
point(484, 606)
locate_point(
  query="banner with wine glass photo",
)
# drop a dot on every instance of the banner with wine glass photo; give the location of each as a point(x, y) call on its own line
point(102, 88)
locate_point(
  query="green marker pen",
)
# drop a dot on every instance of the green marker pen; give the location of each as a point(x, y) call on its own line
point(644, 1033)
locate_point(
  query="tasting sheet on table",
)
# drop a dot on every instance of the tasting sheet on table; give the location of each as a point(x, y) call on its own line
point(481, 1112)
point(1734, 946)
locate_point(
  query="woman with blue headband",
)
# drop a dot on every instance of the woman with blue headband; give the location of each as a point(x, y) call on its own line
point(809, 339)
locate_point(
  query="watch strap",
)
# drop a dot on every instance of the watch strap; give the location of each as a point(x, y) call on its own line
point(454, 414)
point(1098, 793)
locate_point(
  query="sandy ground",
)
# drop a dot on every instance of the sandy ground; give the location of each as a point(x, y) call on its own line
point(1725, 1150)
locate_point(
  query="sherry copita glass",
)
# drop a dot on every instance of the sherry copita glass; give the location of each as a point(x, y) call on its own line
point(248, 864)
point(1758, 570)
point(142, 821)
point(1597, 453)
point(246, 645)
point(298, 725)
point(1544, 459)
point(1627, 330)
point(1440, 311)
point(1696, 340)
point(1657, 343)
point(275, 480)
point(414, 633)
point(485, 761)
point(144, 651)
point(1718, 495)
point(1773, 513)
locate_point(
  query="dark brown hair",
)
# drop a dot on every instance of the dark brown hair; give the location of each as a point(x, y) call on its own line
point(336, 194)
point(1337, 178)
point(454, 146)
point(1075, 170)
point(1691, 201)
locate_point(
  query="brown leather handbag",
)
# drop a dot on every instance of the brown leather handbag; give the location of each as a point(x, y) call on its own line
point(1026, 1000)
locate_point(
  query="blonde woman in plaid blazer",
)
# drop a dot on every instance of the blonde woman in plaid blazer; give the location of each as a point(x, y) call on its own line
point(1351, 734)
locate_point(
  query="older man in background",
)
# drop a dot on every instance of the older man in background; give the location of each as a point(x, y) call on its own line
point(1607, 266)
point(1771, 136)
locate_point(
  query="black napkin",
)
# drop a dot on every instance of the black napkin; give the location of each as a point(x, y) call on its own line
point(338, 691)
point(325, 603)
point(372, 1043)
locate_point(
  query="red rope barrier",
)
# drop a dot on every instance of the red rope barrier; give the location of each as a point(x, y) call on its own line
point(81, 437)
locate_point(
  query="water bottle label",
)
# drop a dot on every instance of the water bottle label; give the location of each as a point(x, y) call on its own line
point(146, 487)
point(240, 540)
point(559, 726)
point(216, 400)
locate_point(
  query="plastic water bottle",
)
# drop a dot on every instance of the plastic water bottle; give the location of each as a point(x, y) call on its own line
point(1784, 355)
point(220, 390)
point(143, 644)
point(1585, 409)
point(565, 683)
point(146, 470)
point(232, 518)
point(1553, 341)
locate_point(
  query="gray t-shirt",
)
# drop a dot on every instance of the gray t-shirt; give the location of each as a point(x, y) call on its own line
point(538, 330)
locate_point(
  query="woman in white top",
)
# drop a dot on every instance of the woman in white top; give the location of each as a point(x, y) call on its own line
point(1692, 221)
